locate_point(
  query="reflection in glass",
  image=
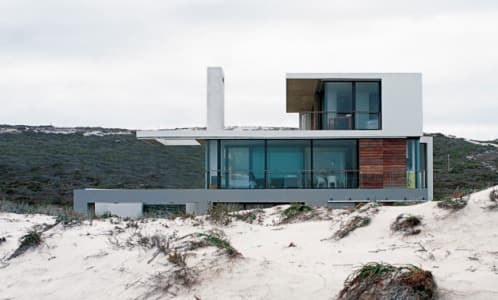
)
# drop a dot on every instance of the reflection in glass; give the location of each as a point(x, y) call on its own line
point(242, 164)
point(289, 163)
point(335, 164)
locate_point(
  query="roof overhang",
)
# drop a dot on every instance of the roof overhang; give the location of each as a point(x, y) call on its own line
point(301, 94)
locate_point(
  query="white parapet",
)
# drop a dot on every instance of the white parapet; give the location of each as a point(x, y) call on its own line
point(124, 210)
point(215, 99)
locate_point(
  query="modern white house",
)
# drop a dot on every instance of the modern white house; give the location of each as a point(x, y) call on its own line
point(359, 139)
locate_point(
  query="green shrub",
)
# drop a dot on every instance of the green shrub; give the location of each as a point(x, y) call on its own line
point(219, 242)
point(294, 210)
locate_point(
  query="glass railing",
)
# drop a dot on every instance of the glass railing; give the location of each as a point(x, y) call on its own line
point(315, 179)
point(333, 120)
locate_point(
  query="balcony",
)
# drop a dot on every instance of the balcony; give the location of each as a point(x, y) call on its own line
point(333, 120)
point(313, 179)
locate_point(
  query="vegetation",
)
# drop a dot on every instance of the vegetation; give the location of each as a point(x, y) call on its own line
point(351, 225)
point(32, 239)
point(407, 224)
point(452, 204)
point(3, 240)
point(38, 168)
point(493, 195)
point(385, 281)
point(218, 241)
point(471, 167)
point(293, 211)
point(221, 214)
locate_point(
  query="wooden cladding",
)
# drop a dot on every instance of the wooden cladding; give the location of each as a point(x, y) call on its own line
point(382, 163)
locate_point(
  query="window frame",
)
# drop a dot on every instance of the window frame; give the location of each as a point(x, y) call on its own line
point(353, 93)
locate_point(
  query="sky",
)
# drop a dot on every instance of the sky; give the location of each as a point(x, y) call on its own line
point(142, 64)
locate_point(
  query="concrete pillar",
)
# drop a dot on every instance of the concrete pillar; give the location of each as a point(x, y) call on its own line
point(215, 99)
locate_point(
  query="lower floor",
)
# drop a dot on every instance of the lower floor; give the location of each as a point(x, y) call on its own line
point(199, 200)
point(362, 163)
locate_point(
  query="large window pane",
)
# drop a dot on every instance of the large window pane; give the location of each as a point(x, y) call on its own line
point(335, 164)
point(367, 100)
point(242, 164)
point(288, 164)
point(337, 105)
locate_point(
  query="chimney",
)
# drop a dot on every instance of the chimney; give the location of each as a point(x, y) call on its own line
point(215, 99)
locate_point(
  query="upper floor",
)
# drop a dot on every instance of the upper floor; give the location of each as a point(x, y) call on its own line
point(388, 104)
point(329, 105)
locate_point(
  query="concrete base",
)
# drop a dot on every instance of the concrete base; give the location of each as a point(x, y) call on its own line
point(199, 200)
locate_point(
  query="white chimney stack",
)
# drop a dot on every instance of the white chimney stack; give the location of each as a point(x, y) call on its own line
point(215, 99)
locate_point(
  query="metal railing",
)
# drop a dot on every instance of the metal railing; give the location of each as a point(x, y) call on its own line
point(316, 179)
point(333, 120)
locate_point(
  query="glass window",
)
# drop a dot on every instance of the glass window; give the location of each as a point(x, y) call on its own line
point(242, 164)
point(288, 163)
point(367, 102)
point(412, 163)
point(335, 164)
point(337, 105)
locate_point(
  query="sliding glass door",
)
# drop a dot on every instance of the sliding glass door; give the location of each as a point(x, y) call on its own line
point(289, 163)
point(335, 164)
point(242, 164)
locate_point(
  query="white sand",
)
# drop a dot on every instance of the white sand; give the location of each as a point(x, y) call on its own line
point(460, 248)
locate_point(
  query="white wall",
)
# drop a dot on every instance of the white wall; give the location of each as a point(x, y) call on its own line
point(130, 210)
point(215, 99)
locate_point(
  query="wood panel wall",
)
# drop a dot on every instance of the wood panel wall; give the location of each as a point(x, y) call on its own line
point(382, 163)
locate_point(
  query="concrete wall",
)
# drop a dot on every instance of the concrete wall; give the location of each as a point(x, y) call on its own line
point(130, 210)
point(198, 200)
point(215, 99)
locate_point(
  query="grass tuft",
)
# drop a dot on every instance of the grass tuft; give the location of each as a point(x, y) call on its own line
point(453, 204)
point(218, 241)
point(385, 281)
point(351, 225)
point(294, 211)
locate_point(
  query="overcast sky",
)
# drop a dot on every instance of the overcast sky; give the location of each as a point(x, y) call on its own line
point(142, 64)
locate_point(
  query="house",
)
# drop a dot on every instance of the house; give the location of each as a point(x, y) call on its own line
point(359, 139)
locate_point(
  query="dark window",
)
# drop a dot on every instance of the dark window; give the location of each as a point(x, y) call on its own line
point(351, 105)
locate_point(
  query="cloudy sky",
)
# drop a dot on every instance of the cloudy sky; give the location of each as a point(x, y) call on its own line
point(142, 64)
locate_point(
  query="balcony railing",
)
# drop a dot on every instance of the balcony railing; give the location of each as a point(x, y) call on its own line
point(333, 120)
point(315, 179)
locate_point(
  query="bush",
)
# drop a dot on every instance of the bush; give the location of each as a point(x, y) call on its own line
point(385, 281)
point(452, 204)
point(407, 223)
point(3, 240)
point(293, 211)
point(351, 225)
point(32, 239)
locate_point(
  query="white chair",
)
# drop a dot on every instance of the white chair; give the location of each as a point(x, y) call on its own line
point(332, 181)
point(320, 181)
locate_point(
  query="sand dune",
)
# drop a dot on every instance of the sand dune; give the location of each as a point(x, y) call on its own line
point(97, 260)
